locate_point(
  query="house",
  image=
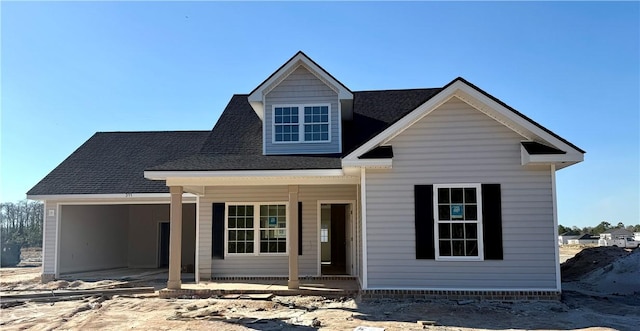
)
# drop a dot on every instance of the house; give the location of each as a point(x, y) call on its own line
point(564, 238)
point(617, 233)
point(585, 239)
point(430, 190)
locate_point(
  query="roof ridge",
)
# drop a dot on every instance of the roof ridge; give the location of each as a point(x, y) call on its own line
point(402, 89)
point(159, 131)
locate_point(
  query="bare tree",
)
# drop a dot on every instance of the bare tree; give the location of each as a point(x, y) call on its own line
point(21, 223)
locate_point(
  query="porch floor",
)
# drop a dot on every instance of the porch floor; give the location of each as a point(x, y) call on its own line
point(347, 287)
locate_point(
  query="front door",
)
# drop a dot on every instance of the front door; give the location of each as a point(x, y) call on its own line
point(333, 239)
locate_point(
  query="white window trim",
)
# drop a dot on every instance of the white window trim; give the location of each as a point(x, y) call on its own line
point(256, 228)
point(436, 221)
point(300, 124)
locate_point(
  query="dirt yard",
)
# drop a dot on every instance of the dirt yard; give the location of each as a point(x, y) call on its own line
point(588, 303)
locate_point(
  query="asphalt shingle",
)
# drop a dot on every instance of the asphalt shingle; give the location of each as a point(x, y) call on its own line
point(114, 162)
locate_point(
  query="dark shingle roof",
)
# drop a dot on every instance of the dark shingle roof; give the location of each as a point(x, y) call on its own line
point(114, 162)
point(235, 143)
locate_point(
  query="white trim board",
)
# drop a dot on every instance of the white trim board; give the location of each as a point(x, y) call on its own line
point(163, 175)
point(458, 88)
point(132, 198)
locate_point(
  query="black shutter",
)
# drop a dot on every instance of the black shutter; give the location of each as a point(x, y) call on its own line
point(217, 236)
point(423, 201)
point(492, 221)
point(299, 227)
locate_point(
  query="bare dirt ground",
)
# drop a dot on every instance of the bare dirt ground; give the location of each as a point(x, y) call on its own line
point(606, 297)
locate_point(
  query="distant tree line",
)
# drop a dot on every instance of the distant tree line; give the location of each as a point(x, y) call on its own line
point(21, 223)
point(598, 229)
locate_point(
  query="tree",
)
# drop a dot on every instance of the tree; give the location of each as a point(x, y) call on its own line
point(602, 227)
point(21, 223)
point(562, 229)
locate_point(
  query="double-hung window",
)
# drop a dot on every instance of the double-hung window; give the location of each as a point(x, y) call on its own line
point(301, 123)
point(316, 123)
point(286, 125)
point(256, 228)
point(458, 225)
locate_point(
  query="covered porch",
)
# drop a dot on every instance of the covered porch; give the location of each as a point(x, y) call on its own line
point(269, 231)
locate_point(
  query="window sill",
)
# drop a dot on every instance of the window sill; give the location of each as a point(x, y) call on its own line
point(459, 258)
point(246, 255)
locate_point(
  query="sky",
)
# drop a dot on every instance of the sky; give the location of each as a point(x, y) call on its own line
point(70, 69)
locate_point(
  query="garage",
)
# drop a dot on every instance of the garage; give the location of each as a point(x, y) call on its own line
point(110, 236)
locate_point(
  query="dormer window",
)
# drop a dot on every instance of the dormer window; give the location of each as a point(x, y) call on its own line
point(290, 127)
point(316, 123)
point(286, 124)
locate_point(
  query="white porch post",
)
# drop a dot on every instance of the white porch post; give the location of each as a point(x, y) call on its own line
point(175, 239)
point(293, 237)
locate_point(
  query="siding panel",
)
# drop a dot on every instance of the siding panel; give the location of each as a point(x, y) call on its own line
point(49, 238)
point(458, 144)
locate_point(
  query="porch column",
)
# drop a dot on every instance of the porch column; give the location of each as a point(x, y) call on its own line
point(175, 238)
point(293, 237)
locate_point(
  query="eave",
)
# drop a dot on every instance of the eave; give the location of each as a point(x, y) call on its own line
point(256, 97)
point(253, 177)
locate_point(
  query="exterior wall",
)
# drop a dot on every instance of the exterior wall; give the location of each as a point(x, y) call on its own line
point(563, 240)
point(302, 87)
point(144, 234)
point(49, 235)
point(93, 237)
point(239, 266)
point(458, 144)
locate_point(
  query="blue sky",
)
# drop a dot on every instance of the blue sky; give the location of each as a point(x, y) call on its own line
point(73, 68)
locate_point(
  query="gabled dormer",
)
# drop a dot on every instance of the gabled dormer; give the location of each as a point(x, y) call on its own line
point(301, 107)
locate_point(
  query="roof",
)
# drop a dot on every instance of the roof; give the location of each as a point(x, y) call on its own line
point(618, 231)
point(516, 112)
point(114, 162)
point(235, 143)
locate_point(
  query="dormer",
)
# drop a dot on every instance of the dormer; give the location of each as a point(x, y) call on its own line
point(301, 107)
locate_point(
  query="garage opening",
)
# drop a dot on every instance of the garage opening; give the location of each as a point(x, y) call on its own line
point(100, 237)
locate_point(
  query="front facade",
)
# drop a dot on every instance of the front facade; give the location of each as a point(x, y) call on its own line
point(441, 189)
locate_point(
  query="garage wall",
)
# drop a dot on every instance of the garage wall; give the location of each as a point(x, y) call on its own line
point(93, 237)
point(144, 234)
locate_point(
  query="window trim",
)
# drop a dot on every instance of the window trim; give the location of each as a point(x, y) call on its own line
point(478, 222)
point(301, 123)
point(256, 228)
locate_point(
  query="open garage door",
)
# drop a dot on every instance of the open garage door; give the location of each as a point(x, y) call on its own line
point(99, 237)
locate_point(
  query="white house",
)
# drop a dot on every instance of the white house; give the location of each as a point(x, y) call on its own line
point(432, 190)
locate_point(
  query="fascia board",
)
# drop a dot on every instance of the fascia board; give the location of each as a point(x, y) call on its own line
point(460, 89)
point(163, 175)
point(129, 197)
point(300, 59)
point(561, 160)
point(515, 118)
point(369, 163)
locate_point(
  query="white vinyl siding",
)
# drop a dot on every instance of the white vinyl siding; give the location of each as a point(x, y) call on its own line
point(266, 265)
point(302, 88)
point(458, 144)
point(49, 238)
